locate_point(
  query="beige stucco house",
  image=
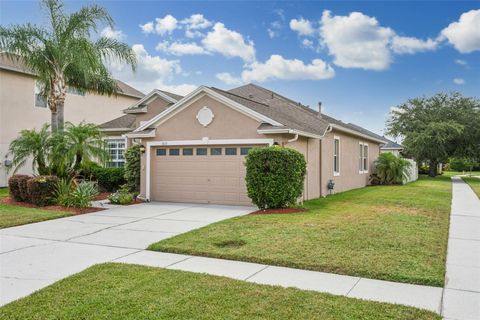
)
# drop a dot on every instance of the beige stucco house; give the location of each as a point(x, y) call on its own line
point(195, 145)
point(22, 108)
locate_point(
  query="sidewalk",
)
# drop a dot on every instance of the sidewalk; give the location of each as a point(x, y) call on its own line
point(461, 299)
point(423, 297)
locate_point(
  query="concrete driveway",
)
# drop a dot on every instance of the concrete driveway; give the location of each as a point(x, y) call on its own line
point(36, 255)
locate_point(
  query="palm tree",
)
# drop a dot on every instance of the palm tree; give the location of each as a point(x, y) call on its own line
point(31, 144)
point(84, 142)
point(63, 54)
point(391, 169)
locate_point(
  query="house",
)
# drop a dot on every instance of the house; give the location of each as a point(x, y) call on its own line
point(195, 145)
point(21, 107)
point(391, 147)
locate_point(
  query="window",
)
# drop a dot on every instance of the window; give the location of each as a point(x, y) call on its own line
point(187, 152)
point(244, 151)
point(336, 156)
point(363, 158)
point(116, 150)
point(40, 101)
point(231, 151)
point(161, 152)
point(174, 152)
point(215, 151)
point(201, 151)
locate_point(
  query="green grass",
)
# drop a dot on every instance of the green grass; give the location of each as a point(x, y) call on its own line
point(474, 183)
point(396, 233)
point(118, 291)
point(456, 173)
point(12, 215)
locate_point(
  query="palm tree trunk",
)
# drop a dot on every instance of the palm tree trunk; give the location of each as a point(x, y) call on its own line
point(53, 121)
point(60, 115)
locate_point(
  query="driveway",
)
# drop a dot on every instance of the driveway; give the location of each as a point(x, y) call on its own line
point(36, 255)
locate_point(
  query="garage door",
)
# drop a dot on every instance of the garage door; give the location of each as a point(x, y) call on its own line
point(213, 174)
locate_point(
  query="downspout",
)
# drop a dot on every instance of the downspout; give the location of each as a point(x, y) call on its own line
point(295, 138)
point(329, 129)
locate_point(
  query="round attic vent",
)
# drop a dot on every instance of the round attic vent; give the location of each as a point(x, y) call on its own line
point(205, 116)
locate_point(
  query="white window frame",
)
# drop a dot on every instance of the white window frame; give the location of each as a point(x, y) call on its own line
point(364, 165)
point(336, 157)
point(116, 161)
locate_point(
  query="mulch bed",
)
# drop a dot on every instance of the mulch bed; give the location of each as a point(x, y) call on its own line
point(8, 200)
point(102, 196)
point(280, 211)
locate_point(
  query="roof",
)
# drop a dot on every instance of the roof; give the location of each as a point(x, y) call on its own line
point(173, 95)
point(141, 105)
point(16, 65)
point(391, 145)
point(123, 123)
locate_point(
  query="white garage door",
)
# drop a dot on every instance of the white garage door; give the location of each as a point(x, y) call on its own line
point(198, 174)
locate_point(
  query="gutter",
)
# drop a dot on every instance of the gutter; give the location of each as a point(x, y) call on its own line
point(290, 131)
point(356, 133)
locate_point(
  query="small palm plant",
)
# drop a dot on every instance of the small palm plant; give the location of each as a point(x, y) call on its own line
point(391, 169)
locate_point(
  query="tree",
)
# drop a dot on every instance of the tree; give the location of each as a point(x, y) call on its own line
point(31, 144)
point(63, 55)
point(391, 169)
point(438, 127)
point(84, 142)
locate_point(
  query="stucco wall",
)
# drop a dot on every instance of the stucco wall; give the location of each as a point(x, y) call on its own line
point(18, 111)
point(155, 107)
point(350, 177)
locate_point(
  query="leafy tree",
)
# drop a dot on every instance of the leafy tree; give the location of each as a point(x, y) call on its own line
point(63, 54)
point(438, 127)
point(31, 144)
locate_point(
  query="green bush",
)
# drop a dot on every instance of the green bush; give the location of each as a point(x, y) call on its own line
point(83, 195)
point(391, 169)
point(132, 168)
point(122, 196)
point(41, 190)
point(275, 176)
point(17, 187)
point(109, 179)
point(462, 164)
point(63, 192)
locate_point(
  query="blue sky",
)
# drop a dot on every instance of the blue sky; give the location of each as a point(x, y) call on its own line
point(358, 58)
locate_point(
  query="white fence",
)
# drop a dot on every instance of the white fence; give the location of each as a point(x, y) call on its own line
point(412, 171)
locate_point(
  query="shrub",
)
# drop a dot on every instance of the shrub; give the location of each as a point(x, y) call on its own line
point(17, 186)
point(391, 169)
point(63, 192)
point(83, 195)
point(122, 196)
point(275, 176)
point(462, 164)
point(132, 168)
point(109, 179)
point(41, 190)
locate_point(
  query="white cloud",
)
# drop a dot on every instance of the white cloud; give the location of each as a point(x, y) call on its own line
point(180, 48)
point(147, 27)
point(410, 45)
point(356, 40)
point(272, 33)
point(152, 72)
point(461, 62)
point(181, 89)
point(165, 25)
point(458, 81)
point(112, 34)
point(307, 43)
point(228, 78)
point(464, 34)
point(302, 26)
point(229, 43)
point(277, 67)
point(196, 21)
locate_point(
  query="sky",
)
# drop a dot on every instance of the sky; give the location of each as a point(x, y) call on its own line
point(359, 59)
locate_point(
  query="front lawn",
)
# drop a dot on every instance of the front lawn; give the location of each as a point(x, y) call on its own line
point(459, 173)
point(474, 183)
point(120, 291)
point(396, 233)
point(12, 215)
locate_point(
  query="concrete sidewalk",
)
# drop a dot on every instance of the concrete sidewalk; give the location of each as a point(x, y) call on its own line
point(461, 299)
point(423, 297)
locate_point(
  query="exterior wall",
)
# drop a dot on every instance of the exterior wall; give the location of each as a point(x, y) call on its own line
point(350, 176)
point(231, 124)
point(18, 111)
point(154, 107)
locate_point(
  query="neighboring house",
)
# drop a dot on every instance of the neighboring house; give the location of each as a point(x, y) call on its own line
point(22, 108)
point(391, 147)
point(195, 146)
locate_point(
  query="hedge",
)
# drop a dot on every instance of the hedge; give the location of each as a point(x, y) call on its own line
point(275, 176)
point(17, 186)
point(42, 190)
point(132, 168)
point(109, 179)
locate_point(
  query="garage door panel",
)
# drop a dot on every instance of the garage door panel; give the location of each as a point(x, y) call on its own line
point(201, 179)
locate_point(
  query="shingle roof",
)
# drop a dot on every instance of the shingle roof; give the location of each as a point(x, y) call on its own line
point(277, 108)
point(173, 95)
point(391, 145)
point(124, 122)
point(15, 64)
